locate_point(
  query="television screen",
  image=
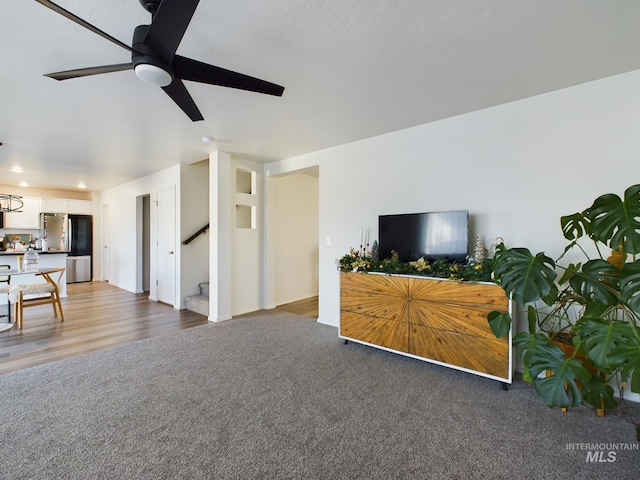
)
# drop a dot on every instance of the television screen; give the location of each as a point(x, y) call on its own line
point(430, 235)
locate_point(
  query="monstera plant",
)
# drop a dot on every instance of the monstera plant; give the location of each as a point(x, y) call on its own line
point(594, 305)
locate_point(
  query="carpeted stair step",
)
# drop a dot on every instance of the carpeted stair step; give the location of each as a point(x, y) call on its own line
point(198, 304)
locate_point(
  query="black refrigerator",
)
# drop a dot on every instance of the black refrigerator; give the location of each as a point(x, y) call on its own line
point(80, 244)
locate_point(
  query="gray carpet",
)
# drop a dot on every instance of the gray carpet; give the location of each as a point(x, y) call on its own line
point(277, 396)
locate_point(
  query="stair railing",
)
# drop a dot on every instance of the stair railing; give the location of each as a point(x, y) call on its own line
point(202, 231)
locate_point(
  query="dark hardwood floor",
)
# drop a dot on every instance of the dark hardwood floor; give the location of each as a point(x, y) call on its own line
point(98, 316)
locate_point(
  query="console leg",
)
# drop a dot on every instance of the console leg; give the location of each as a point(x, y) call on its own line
point(505, 386)
point(346, 341)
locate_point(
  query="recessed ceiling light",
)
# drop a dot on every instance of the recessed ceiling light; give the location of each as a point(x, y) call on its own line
point(16, 169)
point(23, 184)
point(82, 185)
point(207, 140)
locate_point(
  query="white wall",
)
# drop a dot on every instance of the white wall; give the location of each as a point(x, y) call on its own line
point(517, 167)
point(122, 201)
point(296, 237)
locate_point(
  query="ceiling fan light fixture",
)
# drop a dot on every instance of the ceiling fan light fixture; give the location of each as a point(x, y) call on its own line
point(153, 75)
point(153, 56)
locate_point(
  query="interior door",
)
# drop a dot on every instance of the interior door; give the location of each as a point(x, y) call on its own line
point(105, 243)
point(166, 236)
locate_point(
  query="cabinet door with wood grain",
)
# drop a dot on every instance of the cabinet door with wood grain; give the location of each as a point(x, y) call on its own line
point(373, 309)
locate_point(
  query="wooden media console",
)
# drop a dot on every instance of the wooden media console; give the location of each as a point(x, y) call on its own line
point(435, 320)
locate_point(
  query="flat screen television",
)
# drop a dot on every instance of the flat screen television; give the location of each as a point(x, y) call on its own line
point(431, 235)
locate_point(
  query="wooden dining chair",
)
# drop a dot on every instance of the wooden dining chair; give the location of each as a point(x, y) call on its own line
point(38, 294)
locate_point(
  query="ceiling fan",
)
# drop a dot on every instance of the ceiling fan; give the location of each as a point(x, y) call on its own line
point(154, 59)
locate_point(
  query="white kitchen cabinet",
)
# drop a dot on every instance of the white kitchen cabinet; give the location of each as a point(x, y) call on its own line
point(55, 205)
point(64, 205)
point(28, 218)
point(80, 207)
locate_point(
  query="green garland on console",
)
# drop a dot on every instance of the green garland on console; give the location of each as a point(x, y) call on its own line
point(358, 261)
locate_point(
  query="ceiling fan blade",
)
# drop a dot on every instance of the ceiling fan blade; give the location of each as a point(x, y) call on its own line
point(79, 21)
point(195, 71)
point(85, 72)
point(168, 27)
point(179, 94)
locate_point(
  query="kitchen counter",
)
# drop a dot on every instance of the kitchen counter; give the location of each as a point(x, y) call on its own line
point(45, 260)
point(39, 252)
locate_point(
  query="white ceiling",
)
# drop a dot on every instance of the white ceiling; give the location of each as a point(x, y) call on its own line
point(351, 69)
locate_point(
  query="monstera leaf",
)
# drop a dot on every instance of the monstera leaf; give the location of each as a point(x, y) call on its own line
point(525, 277)
point(597, 281)
point(563, 387)
point(631, 370)
point(615, 222)
point(574, 226)
point(613, 346)
point(602, 341)
point(630, 285)
point(499, 322)
point(596, 391)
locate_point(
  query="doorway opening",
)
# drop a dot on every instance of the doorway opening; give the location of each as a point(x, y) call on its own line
point(143, 244)
point(104, 236)
point(295, 235)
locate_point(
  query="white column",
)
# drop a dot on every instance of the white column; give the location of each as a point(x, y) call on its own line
point(220, 249)
point(269, 243)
